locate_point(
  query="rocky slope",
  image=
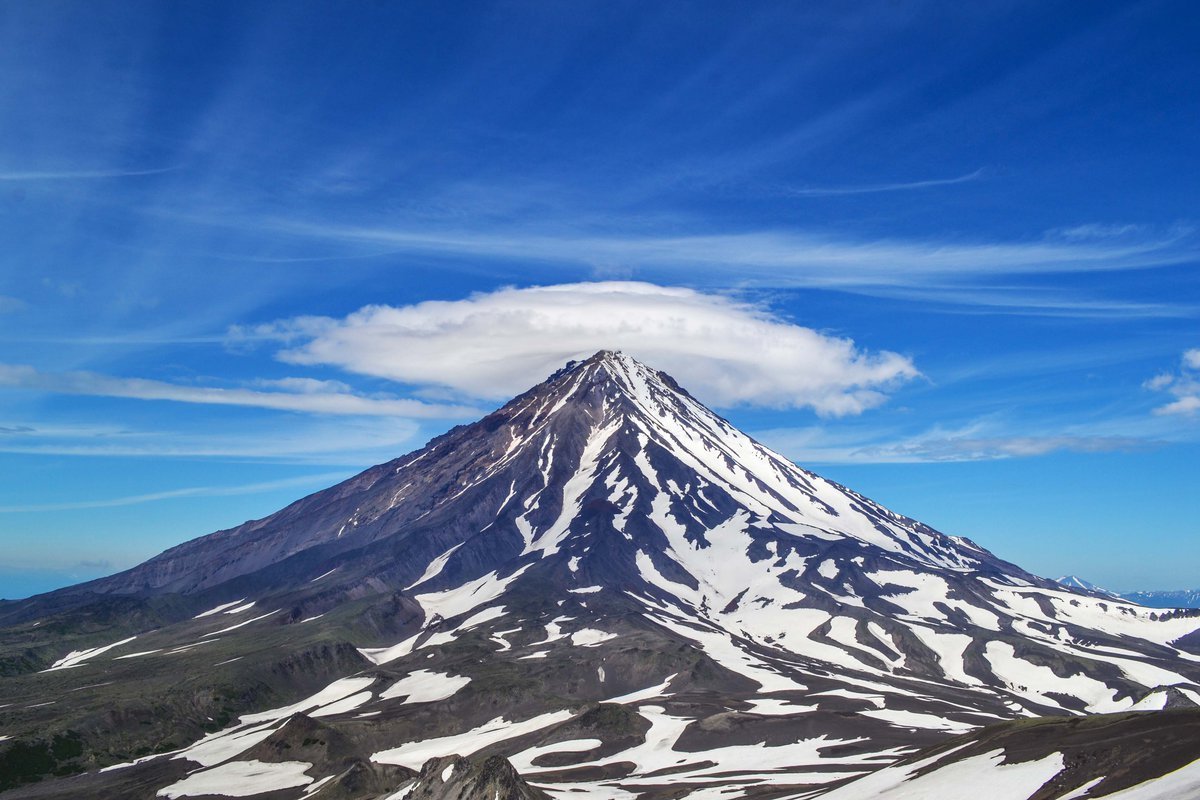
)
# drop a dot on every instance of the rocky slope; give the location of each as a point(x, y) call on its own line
point(458, 778)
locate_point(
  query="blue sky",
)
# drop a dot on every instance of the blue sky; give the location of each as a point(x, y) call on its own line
point(946, 254)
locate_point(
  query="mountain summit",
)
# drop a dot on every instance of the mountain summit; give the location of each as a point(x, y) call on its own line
point(604, 582)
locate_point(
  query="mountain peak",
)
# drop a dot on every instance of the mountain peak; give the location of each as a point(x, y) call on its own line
point(609, 384)
point(610, 362)
point(1080, 585)
point(609, 465)
point(608, 355)
point(615, 362)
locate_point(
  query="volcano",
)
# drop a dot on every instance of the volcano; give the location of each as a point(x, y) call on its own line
point(604, 583)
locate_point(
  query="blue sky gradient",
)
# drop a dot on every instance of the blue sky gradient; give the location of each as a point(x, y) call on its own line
point(199, 198)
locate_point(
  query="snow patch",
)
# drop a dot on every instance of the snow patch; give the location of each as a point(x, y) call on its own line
point(219, 609)
point(649, 693)
point(414, 754)
point(241, 624)
point(224, 745)
point(966, 778)
point(459, 600)
point(77, 658)
point(241, 779)
point(481, 617)
point(435, 567)
point(138, 655)
point(333, 693)
point(319, 577)
point(240, 609)
point(590, 637)
point(425, 686)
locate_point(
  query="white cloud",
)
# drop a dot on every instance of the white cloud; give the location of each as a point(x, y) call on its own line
point(1160, 381)
point(788, 257)
point(1183, 385)
point(1188, 404)
point(299, 394)
point(340, 440)
point(495, 345)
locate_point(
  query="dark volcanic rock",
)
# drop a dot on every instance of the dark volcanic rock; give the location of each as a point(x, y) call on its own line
point(457, 778)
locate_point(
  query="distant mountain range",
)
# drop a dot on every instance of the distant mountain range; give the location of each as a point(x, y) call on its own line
point(1178, 598)
point(602, 589)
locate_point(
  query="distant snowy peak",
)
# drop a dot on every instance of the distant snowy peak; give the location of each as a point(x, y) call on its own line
point(1173, 598)
point(1075, 582)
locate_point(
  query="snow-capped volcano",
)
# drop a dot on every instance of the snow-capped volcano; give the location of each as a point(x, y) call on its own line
point(605, 538)
point(608, 461)
point(1079, 584)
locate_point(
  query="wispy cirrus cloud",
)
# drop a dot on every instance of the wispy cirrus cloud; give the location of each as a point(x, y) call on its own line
point(976, 441)
point(876, 188)
point(983, 448)
point(782, 257)
point(302, 395)
point(19, 175)
point(1090, 231)
point(494, 345)
point(328, 440)
point(323, 479)
point(1029, 301)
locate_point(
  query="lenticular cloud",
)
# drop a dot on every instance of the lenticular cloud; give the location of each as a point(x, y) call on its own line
point(493, 345)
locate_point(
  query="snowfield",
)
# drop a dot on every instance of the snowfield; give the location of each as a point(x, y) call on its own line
point(240, 779)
